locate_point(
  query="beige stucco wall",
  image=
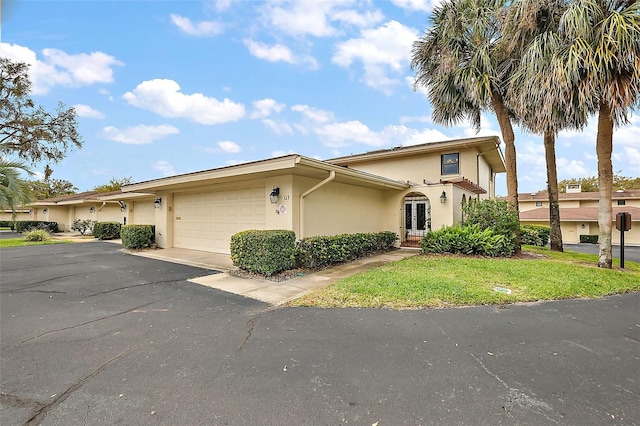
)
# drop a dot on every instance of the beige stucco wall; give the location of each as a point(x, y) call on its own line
point(141, 212)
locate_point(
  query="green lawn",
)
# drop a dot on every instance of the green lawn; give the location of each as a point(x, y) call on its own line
point(19, 242)
point(436, 281)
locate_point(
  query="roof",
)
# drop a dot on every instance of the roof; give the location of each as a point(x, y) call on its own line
point(582, 214)
point(288, 164)
point(489, 147)
point(83, 197)
point(538, 196)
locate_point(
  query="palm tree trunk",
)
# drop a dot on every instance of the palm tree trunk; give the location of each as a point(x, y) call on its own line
point(604, 146)
point(555, 235)
point(508, 137)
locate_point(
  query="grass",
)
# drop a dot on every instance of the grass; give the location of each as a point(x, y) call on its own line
point(438, 281)
point(19, 242)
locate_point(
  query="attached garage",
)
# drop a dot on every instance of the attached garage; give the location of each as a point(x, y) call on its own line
point(207, 220)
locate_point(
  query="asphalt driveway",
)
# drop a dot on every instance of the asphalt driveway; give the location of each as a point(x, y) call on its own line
point(90, 335)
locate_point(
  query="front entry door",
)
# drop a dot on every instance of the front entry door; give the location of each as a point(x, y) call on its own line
point(416, 217)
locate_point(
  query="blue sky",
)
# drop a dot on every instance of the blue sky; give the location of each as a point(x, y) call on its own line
point(168, 87)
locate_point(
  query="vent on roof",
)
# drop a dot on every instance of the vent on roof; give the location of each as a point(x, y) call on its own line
point(573, 188)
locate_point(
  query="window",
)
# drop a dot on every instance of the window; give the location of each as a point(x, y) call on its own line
point(621, 202)
point(450, 164)
point(538, 203)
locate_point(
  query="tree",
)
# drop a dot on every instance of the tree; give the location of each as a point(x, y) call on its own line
point(602, 65)
point(13, 190)
point(113, 185)
point(28, 130)
point(51, 188)
point(463, 66)
point(590, 184)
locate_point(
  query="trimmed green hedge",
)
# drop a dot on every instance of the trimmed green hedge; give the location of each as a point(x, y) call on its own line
point(264, 252)
point(535, 235)
point(27, 225)
point(468, 240)
point(106, 230)
point(591, 239)
point(6, 224)
point(137, 236)
point(321, 251)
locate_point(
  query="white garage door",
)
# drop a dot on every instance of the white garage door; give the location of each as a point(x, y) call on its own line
point(206, 221)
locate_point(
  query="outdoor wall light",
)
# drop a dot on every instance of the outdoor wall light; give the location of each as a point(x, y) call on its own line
point(123, 206)
point(157, 202)
point(92, 209)
point(443, 197)
point(273, 197)
point(583, 226)
point(45, 211)
point(30, 211)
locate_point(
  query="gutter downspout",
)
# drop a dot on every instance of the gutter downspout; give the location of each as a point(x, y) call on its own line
point(332, 176)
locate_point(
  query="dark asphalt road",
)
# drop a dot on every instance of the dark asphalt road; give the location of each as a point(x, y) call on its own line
point(92, 336)
point(630, 252)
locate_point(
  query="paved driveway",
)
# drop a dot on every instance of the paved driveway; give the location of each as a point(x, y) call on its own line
point(630, 252)
point(92, 336)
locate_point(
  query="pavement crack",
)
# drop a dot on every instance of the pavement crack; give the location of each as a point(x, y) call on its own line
point(250, 325)
point(83, 324)
point(130, 286)
point(37, 417)
point(39, 283)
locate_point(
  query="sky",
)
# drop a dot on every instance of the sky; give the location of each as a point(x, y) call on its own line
point(170, 87)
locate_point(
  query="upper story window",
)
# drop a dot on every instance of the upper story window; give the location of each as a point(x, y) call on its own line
point(621, 202)
point(538, 203)
point(450, 164)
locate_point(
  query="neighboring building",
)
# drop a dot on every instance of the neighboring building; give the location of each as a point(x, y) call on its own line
point(579, 213)
point(406, 190)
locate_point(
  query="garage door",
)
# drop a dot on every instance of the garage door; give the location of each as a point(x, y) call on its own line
point(206, 221)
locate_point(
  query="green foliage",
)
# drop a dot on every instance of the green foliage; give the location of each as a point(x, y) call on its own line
point(468, 240)
point(498, 215)
point(321, 251)
point(51, 188)
point(106, 230)
point(264, 252)
point(28, 225)
point(590, 239)
point(535, 235)
point(83, 226)
point(137, 236)
point(113, 185)
point(7, 224)
point(590, 184)
point(37, 235)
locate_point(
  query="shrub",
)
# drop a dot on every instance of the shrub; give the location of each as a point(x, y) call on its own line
point(320, 251)
point(591, 239)
point(6, 224)
point(535, 235)
point(467, 240)
point(265, 252)
point(500, 216)
point(106, 230)
point(27, 225)
point(137, 236)
point(37, 235)
point(83, 226)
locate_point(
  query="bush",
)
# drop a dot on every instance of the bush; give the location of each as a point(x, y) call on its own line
point(28, 225)
point(591, 239)
point(106, 230)
point(6, 224)
point(321, 251)
point(500, 216)
point(137, 236)
point(83, 226)
point(535, 235)
point(467, 240)
point(37, 235)
point(264, 252)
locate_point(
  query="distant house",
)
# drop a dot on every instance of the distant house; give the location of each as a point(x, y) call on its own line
point(579, 213)
point(406, 190)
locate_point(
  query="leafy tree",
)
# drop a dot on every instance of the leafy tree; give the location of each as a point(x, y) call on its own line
point(50, 188)
point(464, 67)
point(590, 184)
point(13, 191)
point(113, 185)
point(28, 130)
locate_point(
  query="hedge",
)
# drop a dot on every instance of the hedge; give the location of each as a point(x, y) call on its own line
point(265, 252)
point(106, 230)
point(137, 236)
point(321, 251)
point(27, 225)
point(6, 224)
point(591, 239)
point(535, 235)
point(468, 240)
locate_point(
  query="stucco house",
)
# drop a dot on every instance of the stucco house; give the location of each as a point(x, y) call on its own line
point(406, 190)
point(579, 213)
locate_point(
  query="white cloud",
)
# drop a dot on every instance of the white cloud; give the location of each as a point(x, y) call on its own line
point(279, 128)
point(264, 107)
point(201, 29)
point(164, 167)
point(229, 147)
point(164, 98)
point(382, 50)
point(222, 5)
point(278, 53)
point(314, 114)
point(141, 134)
point(345, 133)
point(58, 68)
point(86, 111)
point(357, 19)
point(416, 5)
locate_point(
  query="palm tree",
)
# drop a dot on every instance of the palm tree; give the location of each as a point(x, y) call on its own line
point(603, 66)
point(460, 62)
point(14, 192)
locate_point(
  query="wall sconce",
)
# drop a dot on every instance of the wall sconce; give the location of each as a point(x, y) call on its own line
point(273, 197)
point(443, 197)
point(583, 226)
point(45, 211)
point(157, 202)
point(123, 206)
point(30, 211)
point(92, 209)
